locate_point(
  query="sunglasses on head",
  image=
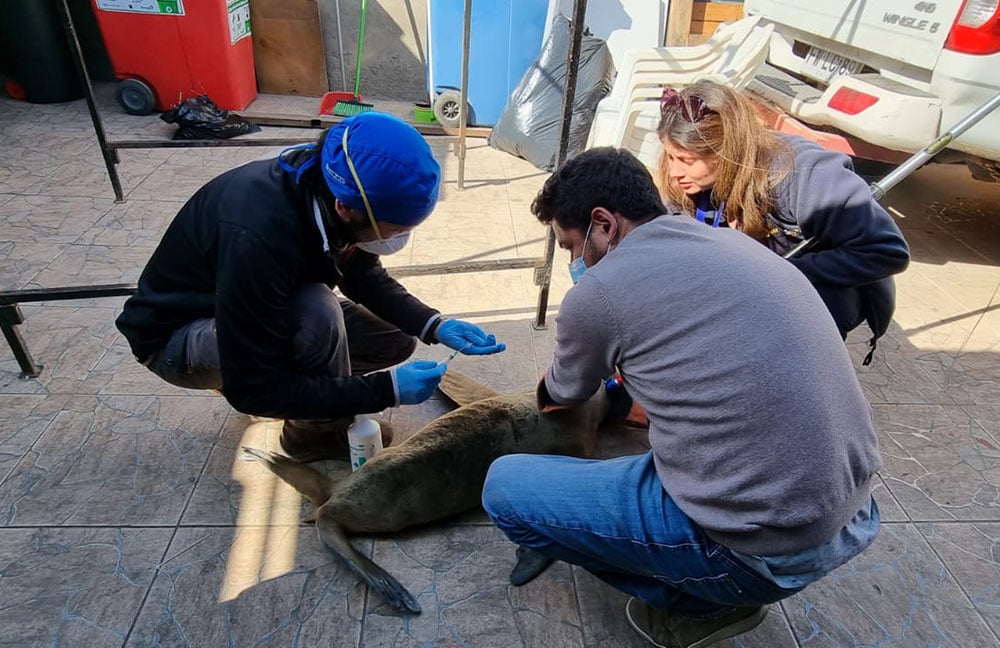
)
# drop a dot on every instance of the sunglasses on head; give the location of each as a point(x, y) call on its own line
point(692, 109)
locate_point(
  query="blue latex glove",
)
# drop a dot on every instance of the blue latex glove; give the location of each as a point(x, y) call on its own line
point(416, 381)
point(467, 338)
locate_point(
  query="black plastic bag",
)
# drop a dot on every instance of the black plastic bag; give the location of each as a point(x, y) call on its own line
point(530, 122)
point(199, 118)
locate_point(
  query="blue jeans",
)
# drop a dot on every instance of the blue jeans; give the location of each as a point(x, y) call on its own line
point(614, 519)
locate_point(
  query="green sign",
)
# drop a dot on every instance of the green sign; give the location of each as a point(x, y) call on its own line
point(239, 19)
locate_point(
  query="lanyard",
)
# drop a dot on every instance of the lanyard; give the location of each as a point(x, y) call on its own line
point(700, 214)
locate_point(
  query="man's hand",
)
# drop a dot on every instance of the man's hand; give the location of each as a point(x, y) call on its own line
point(467, 338)
point(416, 381)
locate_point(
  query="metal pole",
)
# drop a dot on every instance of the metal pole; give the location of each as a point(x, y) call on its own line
point(10, 317)
point(462, 116)
point(340, 45)
point(544, 278)
point(110, 156)
point(882, 187)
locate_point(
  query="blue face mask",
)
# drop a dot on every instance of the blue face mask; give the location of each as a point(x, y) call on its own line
point(578, 266)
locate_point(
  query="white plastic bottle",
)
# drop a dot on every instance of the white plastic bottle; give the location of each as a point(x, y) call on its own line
point(364, 438)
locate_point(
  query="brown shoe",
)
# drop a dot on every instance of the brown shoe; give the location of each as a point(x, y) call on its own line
point(666, 629)
point(307, 440)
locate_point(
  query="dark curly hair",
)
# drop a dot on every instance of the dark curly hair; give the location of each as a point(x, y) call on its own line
point(600, 177)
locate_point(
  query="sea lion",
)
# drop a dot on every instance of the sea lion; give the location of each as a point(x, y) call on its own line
point(436, 473)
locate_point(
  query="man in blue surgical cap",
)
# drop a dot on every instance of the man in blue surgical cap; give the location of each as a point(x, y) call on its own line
point(238, 296)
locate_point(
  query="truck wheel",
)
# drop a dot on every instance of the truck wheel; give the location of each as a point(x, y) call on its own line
point(447, 109)
point(135, 97)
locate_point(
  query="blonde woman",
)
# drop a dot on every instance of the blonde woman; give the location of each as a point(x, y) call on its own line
point(724, 167)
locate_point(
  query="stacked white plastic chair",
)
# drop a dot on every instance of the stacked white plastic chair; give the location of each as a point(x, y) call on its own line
point(628, 116)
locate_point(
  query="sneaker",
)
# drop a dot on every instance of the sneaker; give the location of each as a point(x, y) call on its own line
point(307, 440)
point(666, 629)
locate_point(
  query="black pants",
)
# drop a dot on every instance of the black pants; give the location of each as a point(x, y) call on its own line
point(333, 337)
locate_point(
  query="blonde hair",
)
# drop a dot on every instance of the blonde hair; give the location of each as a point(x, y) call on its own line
point(714, 121)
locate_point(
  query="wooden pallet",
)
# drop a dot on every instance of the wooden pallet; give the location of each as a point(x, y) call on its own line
point(690, 22)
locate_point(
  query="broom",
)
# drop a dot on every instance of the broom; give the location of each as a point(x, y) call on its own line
point(354, 106)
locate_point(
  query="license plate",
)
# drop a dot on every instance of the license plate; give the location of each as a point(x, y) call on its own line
point(824, 66)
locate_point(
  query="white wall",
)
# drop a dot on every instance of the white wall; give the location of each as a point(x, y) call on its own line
point(624, 24)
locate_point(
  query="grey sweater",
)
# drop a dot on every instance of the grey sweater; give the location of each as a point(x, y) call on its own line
point(758, 426)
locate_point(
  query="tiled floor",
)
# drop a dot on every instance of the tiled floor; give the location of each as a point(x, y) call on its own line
point(128, 518)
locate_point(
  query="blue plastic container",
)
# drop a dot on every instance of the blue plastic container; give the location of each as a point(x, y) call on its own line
point(505, 39)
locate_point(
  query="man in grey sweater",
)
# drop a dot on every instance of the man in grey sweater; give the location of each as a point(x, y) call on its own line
point(763, 451)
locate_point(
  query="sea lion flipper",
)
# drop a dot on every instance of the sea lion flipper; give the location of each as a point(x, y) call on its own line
point(314, 485)
point(530, 563)
point(332, 535)
point(463, 390)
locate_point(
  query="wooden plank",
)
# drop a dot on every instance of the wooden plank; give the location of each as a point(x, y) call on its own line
point(323, 121)
point(716, 11)
point(678, 22)
point(288, 47)
point(703, 28)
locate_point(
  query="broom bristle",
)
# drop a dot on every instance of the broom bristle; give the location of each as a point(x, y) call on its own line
point(351, 108)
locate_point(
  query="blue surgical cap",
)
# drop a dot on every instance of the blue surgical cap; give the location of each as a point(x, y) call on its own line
point(394, 163)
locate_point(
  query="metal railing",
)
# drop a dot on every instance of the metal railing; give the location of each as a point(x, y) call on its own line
point(11, 315)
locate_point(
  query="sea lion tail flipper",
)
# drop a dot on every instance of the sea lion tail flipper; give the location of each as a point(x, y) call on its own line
point(463, 390)
point(314, 485)
point(333, 536)
point(530, 563)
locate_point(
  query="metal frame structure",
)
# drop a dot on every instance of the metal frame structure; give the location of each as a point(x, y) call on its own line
point(10, 312)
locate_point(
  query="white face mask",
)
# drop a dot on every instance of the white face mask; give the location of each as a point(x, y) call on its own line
point(383, 247)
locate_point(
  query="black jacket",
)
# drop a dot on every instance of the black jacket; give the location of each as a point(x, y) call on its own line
point(238, 251)
point(857, 247)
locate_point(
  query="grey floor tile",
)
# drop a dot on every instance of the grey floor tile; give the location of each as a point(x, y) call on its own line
point(895, 594)
point(233, 490)
point(47, 219)
point(23, 166)
point(938, 463)
point(186, 170)
point(889, 507)
point(74, 587)
point(87, 176)
point(459, 575)
point(250, 586)
point(898, 374)
point(602, 614)
point(971, 378)
point(951, 211)
point(23, 418)
point(69, 341)
point(21, 261)
point(133, 224)
point(971, 552)
point(81, 265)
point(113, 460)
point(987, 417)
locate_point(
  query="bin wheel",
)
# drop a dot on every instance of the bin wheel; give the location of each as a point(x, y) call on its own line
point(135, 97)
point(447, 109)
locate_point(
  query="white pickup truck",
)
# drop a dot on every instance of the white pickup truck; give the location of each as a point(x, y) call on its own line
point(876, 79)
point(893, 74)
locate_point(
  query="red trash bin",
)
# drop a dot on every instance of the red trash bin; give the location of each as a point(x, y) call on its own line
point(166, 51)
